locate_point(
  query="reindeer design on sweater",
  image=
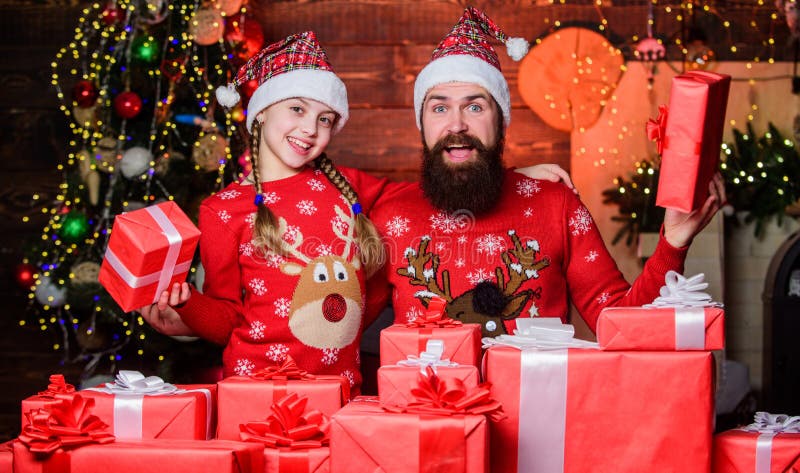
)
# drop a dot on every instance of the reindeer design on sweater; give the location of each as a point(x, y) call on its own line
point(327, 304)
point(488, 303)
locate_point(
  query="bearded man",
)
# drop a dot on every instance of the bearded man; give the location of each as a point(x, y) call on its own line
point(495, 244)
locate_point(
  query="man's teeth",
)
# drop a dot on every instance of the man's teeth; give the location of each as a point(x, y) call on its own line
point(299, 143)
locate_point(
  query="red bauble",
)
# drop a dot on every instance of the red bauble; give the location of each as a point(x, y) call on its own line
point(84, 93)
point(112, 14)
point(24, 275)
point(245, 36)
point(127, 104)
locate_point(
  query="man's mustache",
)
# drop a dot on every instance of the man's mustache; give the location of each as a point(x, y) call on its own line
point(458, 139)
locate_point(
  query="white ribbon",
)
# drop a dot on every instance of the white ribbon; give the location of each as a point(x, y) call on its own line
point(679, 291)
point(690, 328)
point(170, 267)
point(543, 333)
point(134, 382)
point(432, 356)
point(768, 426)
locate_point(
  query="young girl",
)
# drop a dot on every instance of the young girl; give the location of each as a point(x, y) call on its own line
point(285, 267)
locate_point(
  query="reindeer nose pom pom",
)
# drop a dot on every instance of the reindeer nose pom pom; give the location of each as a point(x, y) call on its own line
point(488, 299)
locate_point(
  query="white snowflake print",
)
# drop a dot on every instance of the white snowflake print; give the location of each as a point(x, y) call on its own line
point(323, 250)
point(397, 226)
point(277, 352)
point(258, 286)
point(306, 207)
point(316, 185)
point(581, 221)
point(282, 306)
point(478, 275)
point(413, 314)
point(460, 263)
point(440, 247)
point(229, 194)
point(250, 220)
point(257, 330)
point(224, 216)
point(591, 257)
point(462, 240)
point(274, 260)
point(246, 249)
point(490, 244)
point(271, 198)
point(290, 236)
point(350, 377)
point(528, 187)
point(447, 223)
point(330, 355)
point(603, 298)
point(243, 367)
point(528, 213)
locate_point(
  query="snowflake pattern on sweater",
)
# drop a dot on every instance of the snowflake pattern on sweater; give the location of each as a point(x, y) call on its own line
point(308, 303)
point(539, 248)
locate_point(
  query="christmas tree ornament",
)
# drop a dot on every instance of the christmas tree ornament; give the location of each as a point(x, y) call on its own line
point(789, 9)
point(209, 151)
point(86, 117)
point(145, 49)
point(112, 13)
point(228, 7)
point(237, 114)
point(127, 104)
point(244, 36)
point(135, 161)
point(569, 77)
point(89, 175)
point(649, 50)
point(74, 227)
point(105, 153)
point(25, 275)
point(85, 272)
point(207, 26)
point(49, 293)
point(84, 93)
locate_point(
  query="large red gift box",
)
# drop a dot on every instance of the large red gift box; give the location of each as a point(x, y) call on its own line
point(7, 457)
point(661, 328)
point(395, 382)
point(146, 456)
point(306, 460)
point(740, 451)
point(579, 410)
point(365, 438)
point(462, 343)
point(691, 138)
point(149, 249)
point(242, 399)
point(186, 414)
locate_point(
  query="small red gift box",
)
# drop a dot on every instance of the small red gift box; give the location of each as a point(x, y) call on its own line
point(395, 382)
point(462, 343)
point(146, 456)
point(741, 451)
point(149, 250)
point(307, 460)
point(243, 399)
point(365, 438)
point(661, 328)
point(690, 140)
point(580, 410)
point(7, 457)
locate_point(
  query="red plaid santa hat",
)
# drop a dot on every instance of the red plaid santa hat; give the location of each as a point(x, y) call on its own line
point(294, 67)
point(465, 55)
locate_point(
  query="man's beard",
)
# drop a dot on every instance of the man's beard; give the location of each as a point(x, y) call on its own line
point(475, 186)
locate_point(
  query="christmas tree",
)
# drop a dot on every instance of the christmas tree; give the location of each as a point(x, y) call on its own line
point(636, 198)
point(136, 85)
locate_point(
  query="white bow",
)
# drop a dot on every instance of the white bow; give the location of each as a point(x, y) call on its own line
point(544, 333)
point(679, 291)
point(134, 382)
point(432, 356)
point(766, 422)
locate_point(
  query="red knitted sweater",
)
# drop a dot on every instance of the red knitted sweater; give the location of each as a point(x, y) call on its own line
point(539, 246)
point(309, 304)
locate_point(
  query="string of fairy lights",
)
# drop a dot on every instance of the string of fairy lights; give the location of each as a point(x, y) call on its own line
point(109, 150)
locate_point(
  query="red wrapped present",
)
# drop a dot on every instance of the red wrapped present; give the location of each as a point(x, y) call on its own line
point(579, 410)
point(149, 250)
point(136, 407)
point(296, 439)
point(769, 445)
point(661, 328)
point(366, 438)
point(681, 318)
point(462, 343)
point(246, 398)
point(58, 386)
point(689, 138)
point(146, 456)
point(7, 457)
